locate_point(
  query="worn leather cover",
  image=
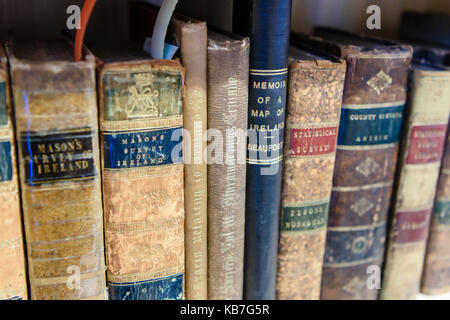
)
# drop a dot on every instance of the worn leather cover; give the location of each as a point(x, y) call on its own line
point(436, 269)
point(312, 121)
point(419, 162)
point(269, 42)
point(228, 60)
point(57, 133)
point(192, 36)
point(370, 126)
point(143, 184)
point(13, 283)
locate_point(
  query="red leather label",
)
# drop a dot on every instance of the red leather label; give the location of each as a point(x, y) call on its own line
point(313, 141)
point(426, 144)
point(411, 226)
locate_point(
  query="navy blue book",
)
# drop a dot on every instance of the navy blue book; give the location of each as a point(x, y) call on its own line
point(269, 40)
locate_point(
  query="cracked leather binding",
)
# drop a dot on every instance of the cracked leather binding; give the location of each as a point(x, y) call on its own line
point(228, 59)
point(366, 155)
point(192, 39)
point(316, 83)
point(424, 134)
point(13, 282)
point(436, 269)
point(57, 134)
point(141, 123)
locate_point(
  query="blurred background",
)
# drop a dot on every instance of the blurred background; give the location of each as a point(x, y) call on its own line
point(110, 20)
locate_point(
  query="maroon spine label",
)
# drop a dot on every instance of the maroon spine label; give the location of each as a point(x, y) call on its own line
point(313, 141)
point(426, 144)
point(411, 226)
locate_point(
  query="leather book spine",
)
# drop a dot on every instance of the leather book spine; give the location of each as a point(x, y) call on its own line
point(366, 155)
point(13, 282)
point(141, 126)
point(312, 123)
point(268, 73)
point(193, 38)
point(418, 171)
point(228, 62)
point(436, 269)
point(57, 133)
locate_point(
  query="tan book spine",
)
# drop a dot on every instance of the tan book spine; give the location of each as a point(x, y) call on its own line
point(227, 115)
point(436, 269)
point(57, 132)
point(13, 283)
point(419, 163)
point(193, 39)
point(141, 123)
point(312, 123)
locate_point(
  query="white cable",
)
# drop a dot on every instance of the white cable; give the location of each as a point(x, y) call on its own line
point(160, 29)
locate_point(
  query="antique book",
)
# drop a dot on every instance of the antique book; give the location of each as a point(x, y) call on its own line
point(228, 59)
point(57, 136)
point(192, 39)
point(141, 124)
point(268, 73)
point(426, 117)
point(370, 126)
point(436, 268)
point(13, 282)
point(316, 83)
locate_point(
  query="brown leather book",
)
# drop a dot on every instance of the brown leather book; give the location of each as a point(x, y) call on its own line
point(369, 132)
point(13, 282)
point(57, 133)
point(316, 83)
point(228, 58)
point(140, 126)
point(192, 38)
point(436, 269)
point(419, 161)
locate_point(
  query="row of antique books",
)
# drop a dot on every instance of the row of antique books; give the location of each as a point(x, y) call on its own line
point(246, 168)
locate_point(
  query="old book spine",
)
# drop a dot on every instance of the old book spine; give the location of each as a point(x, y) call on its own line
point(227, 112)
point(312, 123)
point(436, 269)
point(13, 283)
point(269, 42)
point(370, 126)
point(57, 132)
point(193, 38)
point(419, 163)
point(141, 124)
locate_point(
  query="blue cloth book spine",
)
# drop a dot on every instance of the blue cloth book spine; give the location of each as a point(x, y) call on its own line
point(269, 38)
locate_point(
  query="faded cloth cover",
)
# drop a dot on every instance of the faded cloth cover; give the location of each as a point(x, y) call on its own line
point(436, 269)
point(141, 126)
point(269, 43)
point(192, 36)
point(227, 114)
point(315, 91)
point(57, 132)
point(417, 174)
point(370, 127)
point(13, 282)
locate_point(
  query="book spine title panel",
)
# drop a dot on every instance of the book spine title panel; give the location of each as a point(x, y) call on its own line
point(419, 163)
point(312, 123)
point(141, 128)
point(57, 130)
point(227, 112)
point(370, 126)
point(269, 42)
point(194, 45)
point(13, 283)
